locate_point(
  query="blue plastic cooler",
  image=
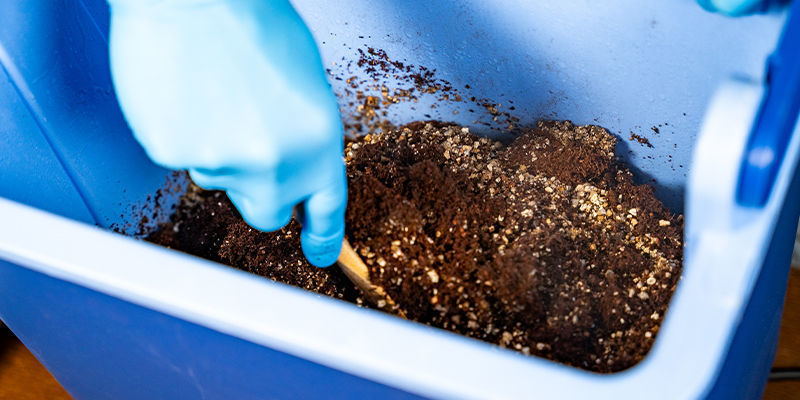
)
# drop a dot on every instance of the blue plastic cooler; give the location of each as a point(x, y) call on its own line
point(113, 317)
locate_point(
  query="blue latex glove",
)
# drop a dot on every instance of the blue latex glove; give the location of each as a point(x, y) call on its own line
point(235, 92)
point(739, 7)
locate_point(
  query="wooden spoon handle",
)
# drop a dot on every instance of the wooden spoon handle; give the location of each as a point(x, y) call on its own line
point(357, 271)
point(353, 267)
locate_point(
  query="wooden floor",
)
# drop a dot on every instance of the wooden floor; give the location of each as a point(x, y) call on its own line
point(789, 343)
point(23, 378)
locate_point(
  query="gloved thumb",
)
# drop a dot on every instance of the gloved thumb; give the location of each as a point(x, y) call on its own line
point(322, 216)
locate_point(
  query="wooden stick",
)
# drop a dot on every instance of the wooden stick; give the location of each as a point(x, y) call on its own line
point(357, 271)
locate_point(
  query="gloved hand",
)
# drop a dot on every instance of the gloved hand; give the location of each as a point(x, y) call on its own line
point(235, 92)
point(739, 7)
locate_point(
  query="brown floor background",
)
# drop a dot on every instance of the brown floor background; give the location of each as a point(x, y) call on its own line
point(788, 343)
point(23, 378)
point(21, 375)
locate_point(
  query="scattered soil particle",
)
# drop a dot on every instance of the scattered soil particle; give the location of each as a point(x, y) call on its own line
point(544, 246)
point(376, 83)
point(641, 139)
point(156, 208)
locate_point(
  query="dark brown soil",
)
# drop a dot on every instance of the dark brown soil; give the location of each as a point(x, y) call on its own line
point(545, 246)
point(207, 225)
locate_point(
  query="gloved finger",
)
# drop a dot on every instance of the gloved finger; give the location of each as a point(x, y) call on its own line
point(210, 180)
point(322, 216)
point(260, 214)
